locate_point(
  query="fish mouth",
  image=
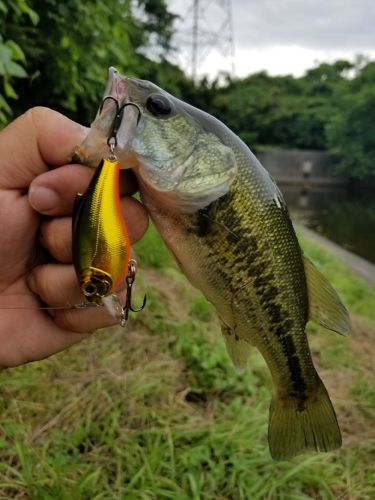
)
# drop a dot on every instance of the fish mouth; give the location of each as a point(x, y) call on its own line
point(117, 85)
point(114, 126)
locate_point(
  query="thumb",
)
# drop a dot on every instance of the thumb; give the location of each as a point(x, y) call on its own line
point(38, 138)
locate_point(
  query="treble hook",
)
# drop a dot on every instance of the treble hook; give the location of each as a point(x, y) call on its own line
point(112, 138)
point(130, 103)
point(103, 101)
point(130, 278)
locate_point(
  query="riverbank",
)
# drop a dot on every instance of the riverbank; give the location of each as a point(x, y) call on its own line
point(362, 267)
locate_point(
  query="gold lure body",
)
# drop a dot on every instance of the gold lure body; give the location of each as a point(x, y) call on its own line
point(101, 245)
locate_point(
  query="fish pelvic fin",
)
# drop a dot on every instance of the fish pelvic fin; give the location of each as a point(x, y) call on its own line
point(237, 348)
point(296, 427)
point(325, 306)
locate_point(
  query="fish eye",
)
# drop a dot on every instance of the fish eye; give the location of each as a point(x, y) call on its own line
point(159, 105)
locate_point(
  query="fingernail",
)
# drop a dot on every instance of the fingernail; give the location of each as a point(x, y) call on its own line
point(43, 199)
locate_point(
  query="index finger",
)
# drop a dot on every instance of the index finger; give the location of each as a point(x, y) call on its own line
point(36, 140)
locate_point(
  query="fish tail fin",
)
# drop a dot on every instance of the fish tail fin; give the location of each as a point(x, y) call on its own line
point(296, 426)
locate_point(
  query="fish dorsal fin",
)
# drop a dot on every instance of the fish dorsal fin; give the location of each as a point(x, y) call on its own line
point(325, 306)
point(237, 348)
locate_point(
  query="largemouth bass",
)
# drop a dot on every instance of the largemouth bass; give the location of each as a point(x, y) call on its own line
point(227, 225)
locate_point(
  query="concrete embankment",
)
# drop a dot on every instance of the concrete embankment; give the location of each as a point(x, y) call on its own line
point(360, 266)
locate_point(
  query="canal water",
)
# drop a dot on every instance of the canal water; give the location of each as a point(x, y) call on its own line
point(343, 216)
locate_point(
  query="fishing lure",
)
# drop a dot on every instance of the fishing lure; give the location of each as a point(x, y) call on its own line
point(101, 244)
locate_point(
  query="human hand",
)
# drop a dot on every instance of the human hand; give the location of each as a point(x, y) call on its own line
point(35, 213)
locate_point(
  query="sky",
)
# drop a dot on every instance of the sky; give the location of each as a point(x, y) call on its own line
point(279, 36)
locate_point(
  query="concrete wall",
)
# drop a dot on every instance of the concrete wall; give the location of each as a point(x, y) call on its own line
point(302, 167)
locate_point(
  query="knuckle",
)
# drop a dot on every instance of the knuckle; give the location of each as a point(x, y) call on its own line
point(67, 320)
point(43, 284)
point(52, 282)
point(56, 239)
point(36, 114)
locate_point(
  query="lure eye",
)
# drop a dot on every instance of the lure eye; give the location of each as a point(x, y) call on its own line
point(159, 105)
point(89, 289)
point(95, 284)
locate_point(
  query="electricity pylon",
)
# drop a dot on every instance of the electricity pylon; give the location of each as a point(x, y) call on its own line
point(197, 37)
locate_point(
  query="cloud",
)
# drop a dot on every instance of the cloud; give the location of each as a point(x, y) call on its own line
point(280, 36)
point(313, 24)
point(276, 60)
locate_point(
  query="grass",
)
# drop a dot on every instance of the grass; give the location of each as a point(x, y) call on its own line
point(156, 411)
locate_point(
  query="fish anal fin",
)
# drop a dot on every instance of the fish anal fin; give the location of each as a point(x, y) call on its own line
point(237, 348)
point(325, 306)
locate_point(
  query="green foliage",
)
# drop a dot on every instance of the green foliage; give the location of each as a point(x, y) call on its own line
point(151, 250)
point(330, 108)
point(12, 56)
point(65, 48)
point(282, 111)
point(158, 20)
point(351, 131)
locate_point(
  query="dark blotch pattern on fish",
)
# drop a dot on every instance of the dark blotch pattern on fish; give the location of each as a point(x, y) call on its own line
point(245, 256)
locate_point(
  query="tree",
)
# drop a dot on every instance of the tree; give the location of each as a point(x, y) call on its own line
point(351, 130)
point(281, 111)
point(12, 56)
point(65, 49)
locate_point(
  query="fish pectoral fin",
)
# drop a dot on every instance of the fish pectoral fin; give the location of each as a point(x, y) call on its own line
point(325, 306)
point(237, 348)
